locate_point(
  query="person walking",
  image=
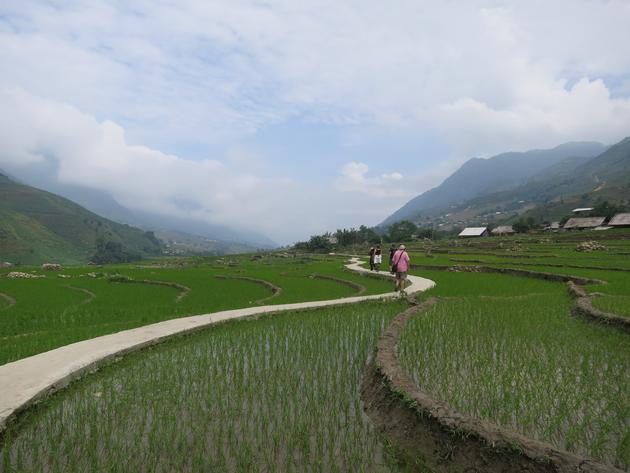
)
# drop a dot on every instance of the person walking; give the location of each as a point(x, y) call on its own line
point(400, 264)
point(372, 251)
point(392, 250)
point(378, 258)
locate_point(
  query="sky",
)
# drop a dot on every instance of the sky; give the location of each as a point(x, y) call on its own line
point(299, 117)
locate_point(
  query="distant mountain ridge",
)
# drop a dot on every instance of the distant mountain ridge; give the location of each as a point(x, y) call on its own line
point(478, 179)
point(37, 226)
point(103, 203)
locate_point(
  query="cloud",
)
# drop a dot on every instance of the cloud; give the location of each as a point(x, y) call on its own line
point(233, 68)
point(182, 94)
point(354, 178)
point(83, 151)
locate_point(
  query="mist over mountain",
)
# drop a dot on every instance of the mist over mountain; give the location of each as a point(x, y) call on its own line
point(478, 177)
point(37, 226)
point(103, 203)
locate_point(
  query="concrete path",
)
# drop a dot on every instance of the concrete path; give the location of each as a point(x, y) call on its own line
point(25, 381)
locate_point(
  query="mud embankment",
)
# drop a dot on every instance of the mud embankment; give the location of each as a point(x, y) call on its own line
point(275, 290)
point(584, 308)
point(10, 300)
point(360, 289)
point(428, 435)
point(512, 272)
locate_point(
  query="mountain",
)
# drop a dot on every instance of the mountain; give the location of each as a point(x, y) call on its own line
point(103, 203)
point(37, 226)
point(478, 177)
point(182, 243)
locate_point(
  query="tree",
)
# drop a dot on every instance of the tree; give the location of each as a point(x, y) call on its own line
point(402, 231)
point(603, 208)
point(319, 243)
point(520, 226)
point(109, 251)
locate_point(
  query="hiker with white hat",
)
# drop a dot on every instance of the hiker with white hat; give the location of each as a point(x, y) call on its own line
point(400, 266)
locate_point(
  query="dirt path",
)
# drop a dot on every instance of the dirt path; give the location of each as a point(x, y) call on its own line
point(10, 300)
point(275, 290)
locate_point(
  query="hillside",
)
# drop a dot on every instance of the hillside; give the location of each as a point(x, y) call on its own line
point(182, 243)
point(546, 195)
point(103, 203)
point(555, 192)
point(37, 226)
point(478, 177)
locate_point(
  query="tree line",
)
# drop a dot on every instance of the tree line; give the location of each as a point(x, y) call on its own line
point(347, 237)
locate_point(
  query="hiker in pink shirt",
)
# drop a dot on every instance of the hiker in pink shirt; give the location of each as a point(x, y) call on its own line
point(400, 266)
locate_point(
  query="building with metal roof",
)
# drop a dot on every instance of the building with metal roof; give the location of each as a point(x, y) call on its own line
point(503, 230)
point(577, 223)
point(474, 232)
point(620, 220)
point(582, 209)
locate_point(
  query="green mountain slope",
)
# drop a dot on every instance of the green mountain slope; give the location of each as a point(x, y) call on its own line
point(547, 195)
point(605, 177)
point(37, 226)
point(479, 177)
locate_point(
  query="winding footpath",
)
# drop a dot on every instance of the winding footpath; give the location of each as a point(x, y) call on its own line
point(25, 381)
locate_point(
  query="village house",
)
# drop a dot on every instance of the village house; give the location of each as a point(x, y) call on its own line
point(474, 232)
point(620, 220)
point(581, 223)
point(503, 230)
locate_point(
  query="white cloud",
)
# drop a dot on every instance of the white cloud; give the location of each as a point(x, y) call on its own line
point(354, 178)
point(113, 91)
point(84, 151)
point(214, 70)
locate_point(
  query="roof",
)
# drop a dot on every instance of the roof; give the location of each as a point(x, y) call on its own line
point(582, 209)
point(503, 229)
point(620, 219)
point(473, 231)
point(584, 222)
point(554, 225)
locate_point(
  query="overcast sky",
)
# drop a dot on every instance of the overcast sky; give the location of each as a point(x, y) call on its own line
point(297, 116)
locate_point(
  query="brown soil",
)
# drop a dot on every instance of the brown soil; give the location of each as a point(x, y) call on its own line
point(10, 300)
point(356, 286)
point(431, 436)
point(275, 290)
point(584, 308)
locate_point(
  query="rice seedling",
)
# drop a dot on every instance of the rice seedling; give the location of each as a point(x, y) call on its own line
point(276, 394)
point(619, 305)
point(526, 364)
point(49, 314)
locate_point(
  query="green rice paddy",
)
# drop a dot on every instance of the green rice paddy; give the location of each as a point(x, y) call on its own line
point(53, 311)
point(276, 394)
point(281, 393)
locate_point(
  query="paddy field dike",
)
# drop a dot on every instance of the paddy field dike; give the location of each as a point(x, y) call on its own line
point(518, 359)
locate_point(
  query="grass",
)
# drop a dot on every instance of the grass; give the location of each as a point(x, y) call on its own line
point(276, 394)
point(504, 349)
point(48, 314)
point(619, 305)
point(280, 393)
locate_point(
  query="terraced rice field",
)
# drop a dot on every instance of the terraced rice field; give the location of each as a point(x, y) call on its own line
point(275, 394)
point(53, 311)
point(282, 393)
